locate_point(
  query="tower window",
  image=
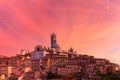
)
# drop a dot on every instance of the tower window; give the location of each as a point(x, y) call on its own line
point(38, 49)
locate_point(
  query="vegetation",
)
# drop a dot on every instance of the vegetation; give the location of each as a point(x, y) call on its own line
point(54, 76)
point(13, 78)
point(78, 76)
point(110, 76)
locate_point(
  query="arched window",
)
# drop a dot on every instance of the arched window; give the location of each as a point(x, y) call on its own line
point(38, 49)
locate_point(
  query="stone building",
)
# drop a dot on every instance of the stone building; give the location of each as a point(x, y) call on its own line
point(4, 71)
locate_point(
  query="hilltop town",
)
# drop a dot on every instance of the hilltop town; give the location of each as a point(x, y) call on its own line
point(53, 63)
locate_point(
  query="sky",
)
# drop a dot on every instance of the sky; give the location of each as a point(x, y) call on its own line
point(91, 27)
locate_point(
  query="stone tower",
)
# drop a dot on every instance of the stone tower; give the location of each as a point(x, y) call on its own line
point(54, 41)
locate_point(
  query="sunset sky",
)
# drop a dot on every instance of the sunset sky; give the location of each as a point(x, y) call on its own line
point(89, 26)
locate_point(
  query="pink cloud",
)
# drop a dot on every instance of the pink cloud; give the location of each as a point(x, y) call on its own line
point(92, 24)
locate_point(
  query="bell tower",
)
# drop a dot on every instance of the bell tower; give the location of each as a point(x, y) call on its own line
point(53, 41)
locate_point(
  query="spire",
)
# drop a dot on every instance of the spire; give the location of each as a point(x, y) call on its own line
point(71, 50)
point(53, 34)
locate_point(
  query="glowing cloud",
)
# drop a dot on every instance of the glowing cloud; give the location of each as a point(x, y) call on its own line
point(92, 24)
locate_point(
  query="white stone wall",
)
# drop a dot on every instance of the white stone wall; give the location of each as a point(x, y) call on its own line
point(37, 54)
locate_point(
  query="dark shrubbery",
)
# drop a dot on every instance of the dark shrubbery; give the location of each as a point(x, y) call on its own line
point(110, 76)
point(54, 76)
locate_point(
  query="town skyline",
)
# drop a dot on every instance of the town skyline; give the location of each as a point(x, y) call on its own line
point(90, 27)
point(49, 63)
point(54, 44)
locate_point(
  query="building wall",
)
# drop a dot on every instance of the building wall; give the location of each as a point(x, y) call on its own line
point(37, 54)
